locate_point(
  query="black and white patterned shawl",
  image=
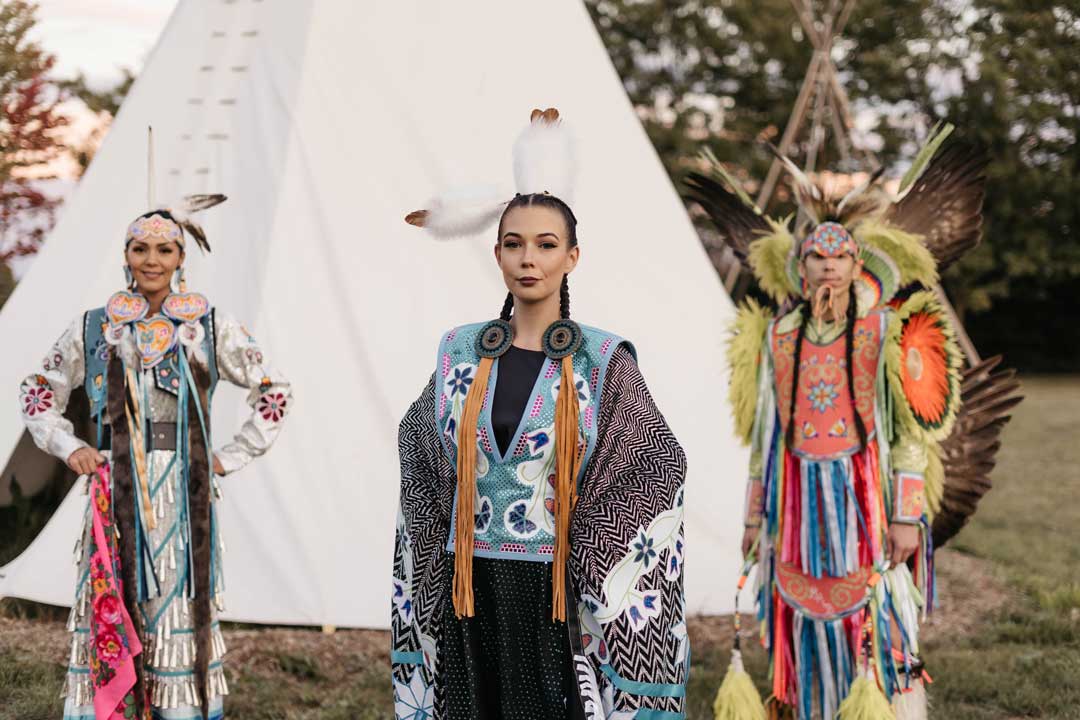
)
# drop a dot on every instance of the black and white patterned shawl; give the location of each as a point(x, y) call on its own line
point(626, 541)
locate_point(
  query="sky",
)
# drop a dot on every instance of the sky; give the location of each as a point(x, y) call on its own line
point(99, 37)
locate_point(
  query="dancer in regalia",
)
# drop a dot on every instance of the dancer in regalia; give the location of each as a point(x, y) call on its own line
point(539, 547)
point(845, 395)
point(145, 635)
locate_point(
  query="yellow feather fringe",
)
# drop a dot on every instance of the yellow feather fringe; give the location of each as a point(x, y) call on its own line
point(737, 698)
point(911, 256)
point(744, 358)
point(865, 701)
point(768, 257)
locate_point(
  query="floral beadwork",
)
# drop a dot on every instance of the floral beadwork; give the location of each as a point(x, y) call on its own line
point(271, 406)
point(823, 396)
point(579, 383)
point(37, 396)
point(53, 360)
point(482, 517)
point(460, 380)
point(517, 521)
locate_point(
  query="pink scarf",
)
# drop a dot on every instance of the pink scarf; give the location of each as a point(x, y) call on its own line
point(114, 644)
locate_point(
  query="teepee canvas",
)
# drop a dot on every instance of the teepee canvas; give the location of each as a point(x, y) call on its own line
point(326, 122)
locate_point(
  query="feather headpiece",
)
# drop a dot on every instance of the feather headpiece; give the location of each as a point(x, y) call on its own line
point(901, 240)
point(172, 221)
point(543, 162)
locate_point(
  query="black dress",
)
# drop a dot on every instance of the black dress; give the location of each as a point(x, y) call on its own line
point(510, 661)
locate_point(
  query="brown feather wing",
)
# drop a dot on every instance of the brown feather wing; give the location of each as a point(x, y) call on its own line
point(988, 395)
point(945, 204)
point(737, 224)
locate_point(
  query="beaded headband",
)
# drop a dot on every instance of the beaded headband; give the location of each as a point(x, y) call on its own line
point(829, 239)
point(155, 226)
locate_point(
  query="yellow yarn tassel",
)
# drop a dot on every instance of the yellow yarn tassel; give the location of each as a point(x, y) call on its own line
point(865, 701)
point(466, 490)
point(737, 698)
point(567, 464)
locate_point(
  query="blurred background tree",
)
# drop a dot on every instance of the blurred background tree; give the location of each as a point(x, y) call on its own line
point(29, 120)
point(726, 74)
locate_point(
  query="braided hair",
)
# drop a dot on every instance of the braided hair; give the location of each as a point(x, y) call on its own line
point(803, 309)
point(849, 343)
point(548, 201)
point(849, 350)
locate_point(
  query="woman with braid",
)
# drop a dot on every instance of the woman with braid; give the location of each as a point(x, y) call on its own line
point(145, 637)
point(538, 553)
point(843, 396)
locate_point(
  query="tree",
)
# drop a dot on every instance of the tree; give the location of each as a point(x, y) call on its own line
point(29, 118)
point(726, 74)
point(106, 103)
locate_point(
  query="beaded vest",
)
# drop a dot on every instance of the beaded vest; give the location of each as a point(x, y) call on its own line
point(166, 373)
point(514, 502)
point(824, 416)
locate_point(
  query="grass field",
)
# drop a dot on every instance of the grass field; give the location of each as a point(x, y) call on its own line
point(1006, 643)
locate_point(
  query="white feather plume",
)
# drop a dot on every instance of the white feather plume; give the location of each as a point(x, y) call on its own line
point(464, 211)
point(544, 160)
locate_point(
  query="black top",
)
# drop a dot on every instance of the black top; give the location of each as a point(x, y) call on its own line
point(518, 370)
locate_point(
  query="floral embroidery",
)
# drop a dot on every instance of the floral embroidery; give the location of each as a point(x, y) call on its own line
point(403, 600)
point(643, 554)
point(460, 381)
point(643, 608)
point(863, 337)
point(592, 635)
point(53, 360)
point(645, 551)
point(112, 643)
point(538, 474)
point(482, 518)
point(254, 356)
point(518, 522)
point(109, 609)
point(579, 383)
point(414, 701)
point(839, 429)
point(271, 406)
point(823, 396)
point(37, 395)
point(675, 560)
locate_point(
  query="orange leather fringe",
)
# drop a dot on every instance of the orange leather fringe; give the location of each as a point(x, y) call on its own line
point(466, 490)
point(567, 464)
point(568, 458)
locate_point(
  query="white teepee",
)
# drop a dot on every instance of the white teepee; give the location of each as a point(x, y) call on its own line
point(326, 122)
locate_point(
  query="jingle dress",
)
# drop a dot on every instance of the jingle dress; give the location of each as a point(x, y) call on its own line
point(168, 375)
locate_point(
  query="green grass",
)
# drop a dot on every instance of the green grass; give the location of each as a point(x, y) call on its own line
point(1020, 660)
point(1025, 662)
point(29, 687)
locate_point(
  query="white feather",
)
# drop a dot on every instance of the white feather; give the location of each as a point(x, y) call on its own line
point(465, 211)
point(544, 160)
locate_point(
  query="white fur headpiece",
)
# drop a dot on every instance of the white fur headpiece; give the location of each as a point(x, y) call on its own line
point(543, 162)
